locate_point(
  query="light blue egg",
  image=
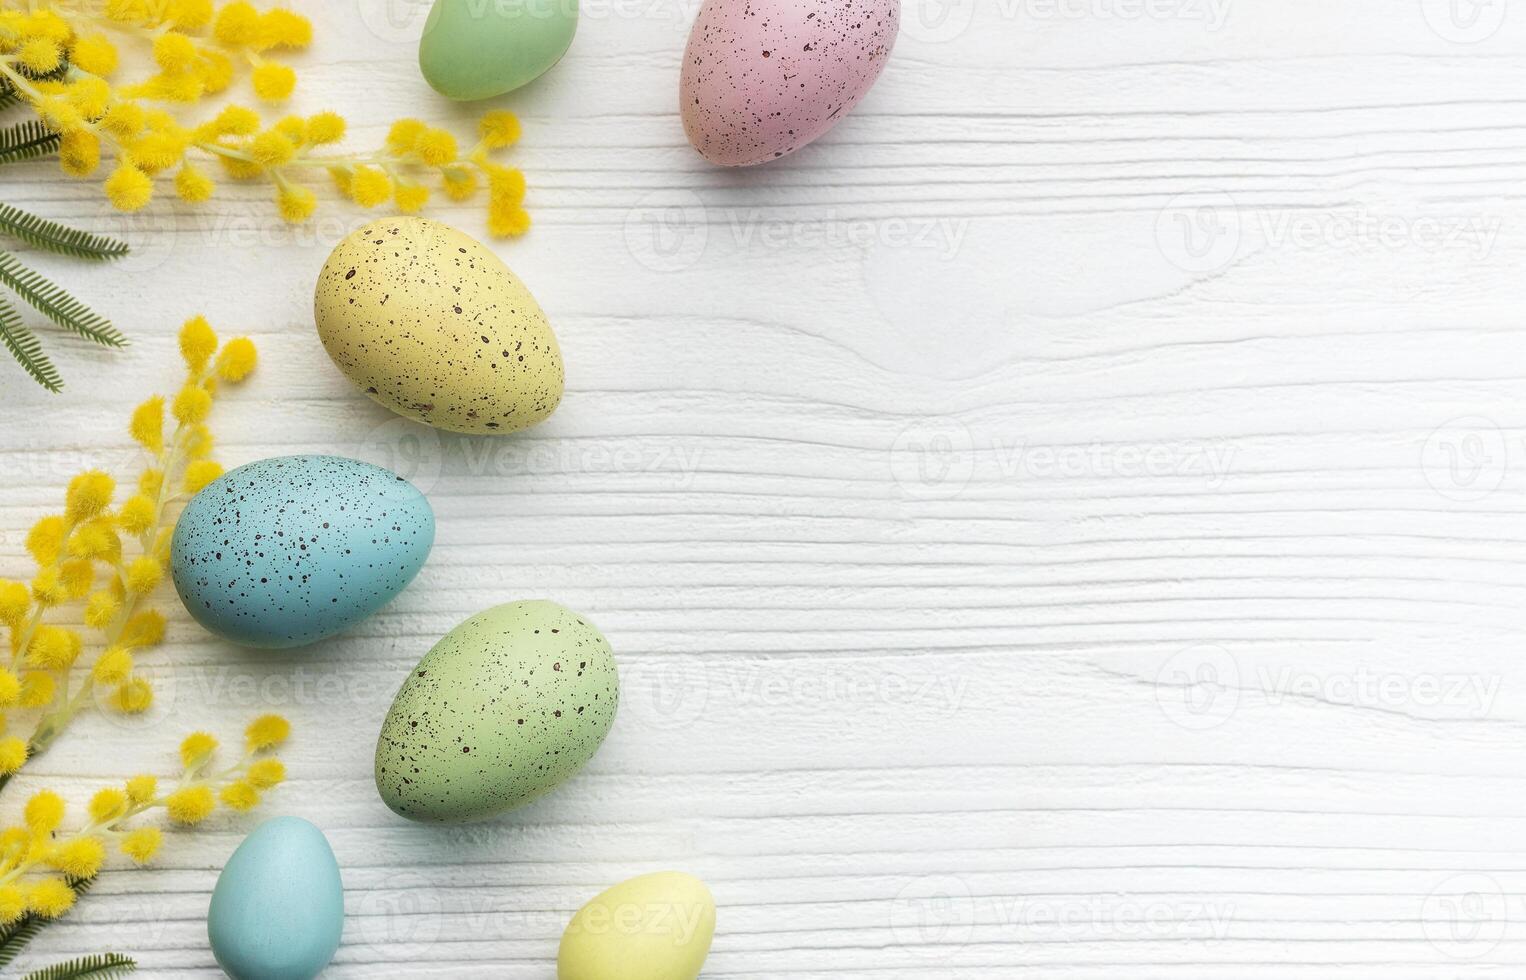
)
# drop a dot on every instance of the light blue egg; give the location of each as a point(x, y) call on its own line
point(278, 909)
point(287, 551)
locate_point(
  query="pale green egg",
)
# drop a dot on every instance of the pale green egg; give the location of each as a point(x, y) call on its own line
point(503, 709)
point(654, 927)
point(473, 49)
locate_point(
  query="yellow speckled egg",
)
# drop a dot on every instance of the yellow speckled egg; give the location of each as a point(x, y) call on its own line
point(655, 927)
point(430, 323)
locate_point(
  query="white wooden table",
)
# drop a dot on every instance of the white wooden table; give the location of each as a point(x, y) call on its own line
point(1065, 523)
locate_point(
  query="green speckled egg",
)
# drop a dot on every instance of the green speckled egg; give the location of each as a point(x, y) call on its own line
point(504, 708)
point(430, 323)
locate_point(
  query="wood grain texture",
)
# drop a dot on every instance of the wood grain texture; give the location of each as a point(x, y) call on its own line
point(1066, 523)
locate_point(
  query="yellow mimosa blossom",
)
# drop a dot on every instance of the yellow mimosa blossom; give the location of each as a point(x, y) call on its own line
point(13, 755)
point(107, 804)
point(190, 806)
point(44, 811)
point(499, 129)
point(137, 514)
point(37, 689)
point(236, 360)
point(14, 599)
point(88, 495)
point(141, 789)
point(240, 796)
point(144, 629)
point(197, 342)
point(192, 404)
point(133, 696)
point(266, 731)
point(50, 898)
point(79, 858)
point(113, 667)
point(12, 904)
point(199, 474)
point(196, 749)
point(141, 845)
point(144, 575)
point(266, 773)
point(46, 539)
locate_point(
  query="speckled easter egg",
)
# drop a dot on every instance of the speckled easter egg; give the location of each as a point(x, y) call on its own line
point(476, 49)
point(427, 321)
point(287, 551)
point(653, 927)
point(277, 912)
point(762, 78)
point(503, 709)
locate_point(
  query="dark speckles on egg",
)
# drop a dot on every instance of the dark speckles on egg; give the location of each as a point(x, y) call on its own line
point(762, 78)
point(405, 318)
point(287, 551)
point(486, 723)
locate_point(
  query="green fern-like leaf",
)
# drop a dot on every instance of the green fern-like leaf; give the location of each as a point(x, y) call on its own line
point(56, 304)
point(102, 966)
point(54, 237)
point(14, 937)
point(26, 140)
point(27, 349)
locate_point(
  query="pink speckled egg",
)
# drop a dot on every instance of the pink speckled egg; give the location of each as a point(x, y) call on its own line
point(762, 78)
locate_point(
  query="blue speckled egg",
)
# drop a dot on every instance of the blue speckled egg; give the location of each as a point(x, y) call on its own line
point(290, 550)
point(278, 909)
